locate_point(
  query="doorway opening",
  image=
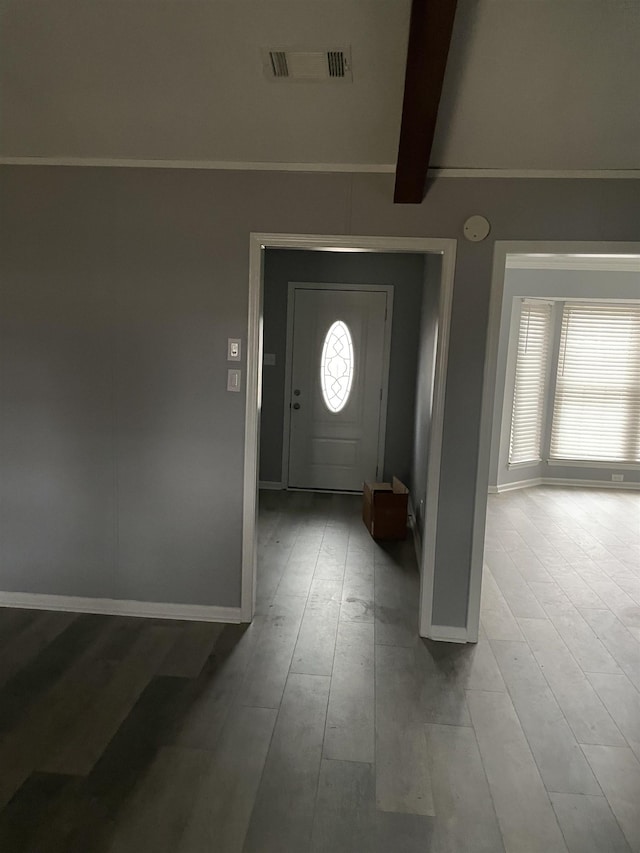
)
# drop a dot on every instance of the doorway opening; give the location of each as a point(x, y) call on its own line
point(324, 309)
point(555, 533)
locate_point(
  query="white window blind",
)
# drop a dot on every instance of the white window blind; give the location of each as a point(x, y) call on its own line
point(596, 413)
point(530, 382)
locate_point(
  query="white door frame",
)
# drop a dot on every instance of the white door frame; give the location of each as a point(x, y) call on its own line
point(258, 243)
point(386, 358)
point(501, 250)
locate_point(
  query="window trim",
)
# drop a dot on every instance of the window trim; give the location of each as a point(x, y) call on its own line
point(557, 462)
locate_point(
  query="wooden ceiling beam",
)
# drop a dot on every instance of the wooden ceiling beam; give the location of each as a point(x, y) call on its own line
point(429, 39)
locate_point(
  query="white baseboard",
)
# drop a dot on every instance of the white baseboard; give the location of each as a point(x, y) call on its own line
point(510, 487)
point(448, 634)
point(270, 485)
point(121, 607)
point(558, 481)
point(590, 484)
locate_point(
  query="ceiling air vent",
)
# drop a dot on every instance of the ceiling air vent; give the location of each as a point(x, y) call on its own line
point(335, 59)
point(279, 67)
point(323, 66)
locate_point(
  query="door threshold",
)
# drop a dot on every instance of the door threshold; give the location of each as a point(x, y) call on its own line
point(322, 491)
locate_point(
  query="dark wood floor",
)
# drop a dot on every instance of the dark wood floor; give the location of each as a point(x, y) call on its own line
point(328, 725)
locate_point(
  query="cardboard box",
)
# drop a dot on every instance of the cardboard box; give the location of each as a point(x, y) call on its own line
point(384, 509)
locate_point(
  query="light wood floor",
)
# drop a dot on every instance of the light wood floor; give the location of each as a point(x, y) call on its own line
point(328, 725)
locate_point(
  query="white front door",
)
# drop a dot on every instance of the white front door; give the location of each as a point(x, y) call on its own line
point(338, 361)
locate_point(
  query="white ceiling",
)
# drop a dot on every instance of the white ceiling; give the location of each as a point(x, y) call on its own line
point(531, 84)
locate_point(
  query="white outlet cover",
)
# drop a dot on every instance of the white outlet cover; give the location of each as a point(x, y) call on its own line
point(476, 228)
point(234, 379)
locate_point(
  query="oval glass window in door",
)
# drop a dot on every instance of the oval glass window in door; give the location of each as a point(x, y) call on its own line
point(336, 366)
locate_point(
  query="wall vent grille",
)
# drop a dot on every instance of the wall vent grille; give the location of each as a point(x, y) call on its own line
point(324, 66)
point(279, 67)
point(335, 59)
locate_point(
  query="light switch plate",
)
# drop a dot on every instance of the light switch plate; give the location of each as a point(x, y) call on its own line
point(234, 349)
point(234, 377)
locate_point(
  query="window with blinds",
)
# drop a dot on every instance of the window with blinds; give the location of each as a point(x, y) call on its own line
point(530, 382)
point(596, 411)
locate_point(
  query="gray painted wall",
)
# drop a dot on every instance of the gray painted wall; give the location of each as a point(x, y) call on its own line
point(121, 451)
point(405, 272)
point(429, 312)
point(548, 284)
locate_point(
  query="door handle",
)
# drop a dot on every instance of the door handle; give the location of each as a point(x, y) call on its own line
point(296, 405)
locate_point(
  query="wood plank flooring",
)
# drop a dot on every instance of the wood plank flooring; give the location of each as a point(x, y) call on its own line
point(328, 725)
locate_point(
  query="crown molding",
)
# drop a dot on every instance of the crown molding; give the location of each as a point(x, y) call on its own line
point(353, 168)
point(211, 165)
point(580, 174)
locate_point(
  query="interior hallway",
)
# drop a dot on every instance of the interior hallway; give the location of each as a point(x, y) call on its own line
point(328, 725)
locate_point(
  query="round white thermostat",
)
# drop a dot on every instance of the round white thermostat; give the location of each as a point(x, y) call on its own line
point(476, 228)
